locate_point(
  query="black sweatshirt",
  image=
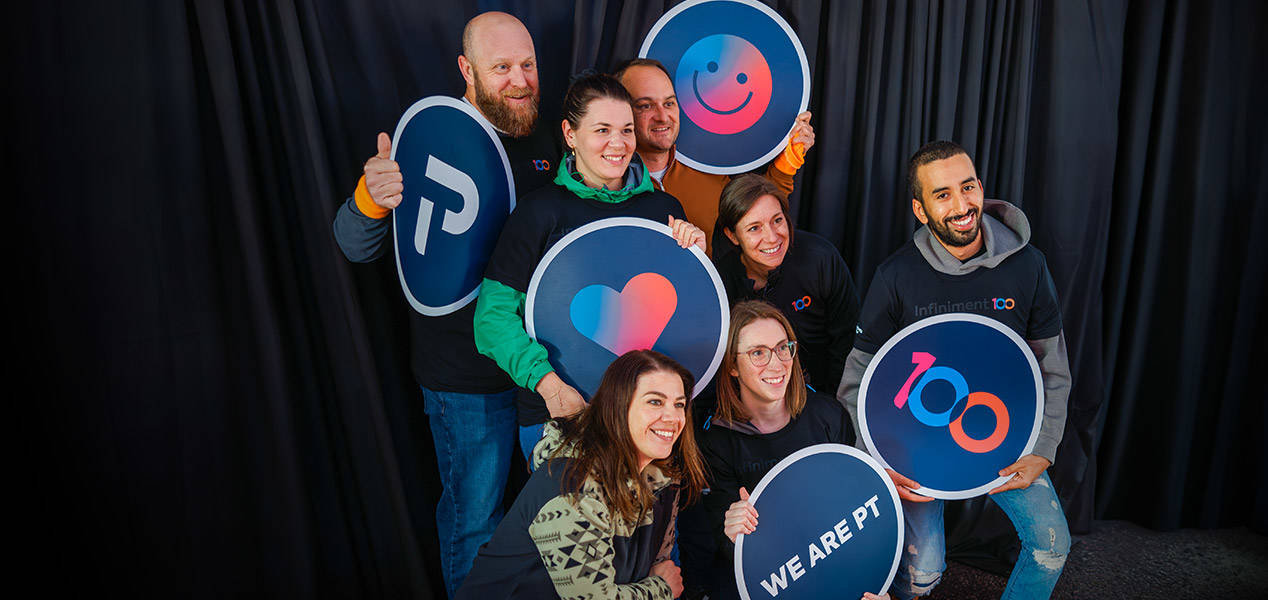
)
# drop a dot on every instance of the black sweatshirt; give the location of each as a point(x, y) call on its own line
point(813, 288)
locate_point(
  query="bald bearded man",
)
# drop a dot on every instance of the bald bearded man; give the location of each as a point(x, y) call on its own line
point(469, 401)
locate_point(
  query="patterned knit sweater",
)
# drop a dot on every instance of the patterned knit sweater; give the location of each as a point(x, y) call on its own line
point(571, 545)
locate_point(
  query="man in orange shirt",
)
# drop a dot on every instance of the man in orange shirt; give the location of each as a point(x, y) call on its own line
point(656, 132)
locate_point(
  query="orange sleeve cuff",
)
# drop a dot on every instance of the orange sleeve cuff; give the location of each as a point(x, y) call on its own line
point(366, 204)
point(791, 159)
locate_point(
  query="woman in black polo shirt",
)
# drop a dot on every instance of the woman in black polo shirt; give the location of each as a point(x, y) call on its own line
point(797, 271)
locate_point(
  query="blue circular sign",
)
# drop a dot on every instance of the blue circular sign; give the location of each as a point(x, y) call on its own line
point(458, 193)
point(830, 525)
point(624, 284)
point(949, 401)
point(741, 78)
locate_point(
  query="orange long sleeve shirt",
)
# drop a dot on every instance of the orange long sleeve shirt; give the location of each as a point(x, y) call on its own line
point(700, 192)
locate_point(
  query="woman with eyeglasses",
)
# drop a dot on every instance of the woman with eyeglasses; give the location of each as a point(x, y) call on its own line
point(802, 274)
point(764, 414)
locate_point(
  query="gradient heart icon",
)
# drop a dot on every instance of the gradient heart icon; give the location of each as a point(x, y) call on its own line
point(631, 319)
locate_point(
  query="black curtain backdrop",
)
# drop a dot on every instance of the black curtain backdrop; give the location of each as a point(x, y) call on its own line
point(220, 405)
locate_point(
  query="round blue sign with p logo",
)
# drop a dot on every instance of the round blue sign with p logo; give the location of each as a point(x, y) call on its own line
point(830, 525)
point(741, 78)
point(624, 284)
point(458, 193)
point(949, 401)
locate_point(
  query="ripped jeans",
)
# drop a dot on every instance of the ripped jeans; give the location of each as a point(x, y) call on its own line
point(1036, 515)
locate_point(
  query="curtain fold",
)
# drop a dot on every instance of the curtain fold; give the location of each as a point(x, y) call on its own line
point(1181, 439)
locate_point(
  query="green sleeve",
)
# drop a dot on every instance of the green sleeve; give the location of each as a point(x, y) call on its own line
point(500, 334)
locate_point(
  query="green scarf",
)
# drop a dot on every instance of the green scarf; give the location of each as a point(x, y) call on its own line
point(637, 181)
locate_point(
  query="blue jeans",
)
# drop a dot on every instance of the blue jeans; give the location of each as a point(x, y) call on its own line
point(529, 436)
point(1036, 515)
point(474, 436)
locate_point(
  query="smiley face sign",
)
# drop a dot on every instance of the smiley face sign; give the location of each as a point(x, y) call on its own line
point(741, 78)
point(729, 80)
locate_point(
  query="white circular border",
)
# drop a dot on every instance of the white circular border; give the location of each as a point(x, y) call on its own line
point(810, 451)
point(934, 320)
point(805, 81)
point(559, 246)
point(417, 107)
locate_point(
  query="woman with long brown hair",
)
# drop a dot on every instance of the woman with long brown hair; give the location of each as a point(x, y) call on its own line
point(596, 519)
point(764, 414)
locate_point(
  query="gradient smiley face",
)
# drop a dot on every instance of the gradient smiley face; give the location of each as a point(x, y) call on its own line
point(723, 84)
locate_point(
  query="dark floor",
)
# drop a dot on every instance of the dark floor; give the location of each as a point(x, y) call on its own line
point(1122, 560)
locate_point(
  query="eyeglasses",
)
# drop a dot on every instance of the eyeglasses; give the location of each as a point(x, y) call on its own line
point(760, 355)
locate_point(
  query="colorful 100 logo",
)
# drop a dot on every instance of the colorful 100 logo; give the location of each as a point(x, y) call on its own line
point(949, 401)
point(911, 396)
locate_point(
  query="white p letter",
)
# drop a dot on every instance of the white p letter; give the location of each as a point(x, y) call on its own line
point(455, 223)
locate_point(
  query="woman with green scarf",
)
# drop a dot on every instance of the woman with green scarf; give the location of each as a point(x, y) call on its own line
point(599, 177)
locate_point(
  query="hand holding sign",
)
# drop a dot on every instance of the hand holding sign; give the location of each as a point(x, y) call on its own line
point(686, 234)
point(383, 176)
point(741, 517)
point(1024, 472)
point(802, 133)
point(905, 486)
point(561, 399)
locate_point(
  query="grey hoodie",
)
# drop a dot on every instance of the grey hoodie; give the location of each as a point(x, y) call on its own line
point(1005, 231)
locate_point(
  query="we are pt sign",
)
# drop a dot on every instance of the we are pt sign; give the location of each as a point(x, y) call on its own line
point(624, 284)
point(831, 526)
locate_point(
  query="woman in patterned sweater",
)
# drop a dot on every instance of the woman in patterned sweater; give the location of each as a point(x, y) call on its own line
point(598, 520)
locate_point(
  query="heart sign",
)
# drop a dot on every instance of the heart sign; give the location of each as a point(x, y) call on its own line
point(631, 319)
point(622, 284)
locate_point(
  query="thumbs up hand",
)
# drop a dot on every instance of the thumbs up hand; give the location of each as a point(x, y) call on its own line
point(741, 517)
point(383, 176)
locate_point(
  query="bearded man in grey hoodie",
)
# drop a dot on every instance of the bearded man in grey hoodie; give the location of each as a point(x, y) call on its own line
point(972, 253)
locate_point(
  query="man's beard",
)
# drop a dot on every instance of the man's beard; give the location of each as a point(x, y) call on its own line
point(518, 122)
point(954, 238)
